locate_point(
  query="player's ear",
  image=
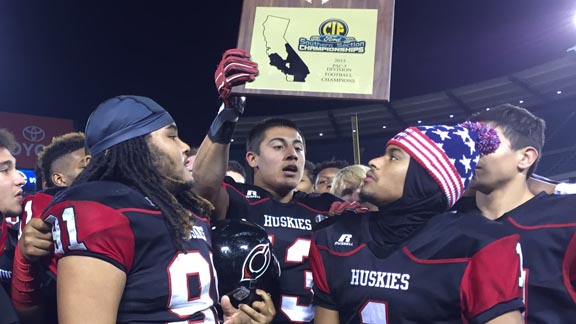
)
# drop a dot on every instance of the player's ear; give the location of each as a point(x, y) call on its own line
point(58, 179)
point(529, 156)
point(251, 159)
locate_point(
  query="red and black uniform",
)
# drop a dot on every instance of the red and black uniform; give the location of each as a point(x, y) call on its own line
point(289, 226)
point(8, 242)
point(42, 289)
point(114, 223)
point(456, 269)
point(34, 205)
point(547, 229)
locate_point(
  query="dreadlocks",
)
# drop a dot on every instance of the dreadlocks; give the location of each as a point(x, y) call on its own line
point(131, 163)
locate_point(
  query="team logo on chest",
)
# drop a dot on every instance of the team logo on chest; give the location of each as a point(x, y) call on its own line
point(344, 240)
point(252, 194)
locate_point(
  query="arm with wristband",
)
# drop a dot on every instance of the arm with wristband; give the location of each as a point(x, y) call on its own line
point(211, 162)
point(35, 243)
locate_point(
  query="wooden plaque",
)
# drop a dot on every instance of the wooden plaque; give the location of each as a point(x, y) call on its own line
point(319, 48)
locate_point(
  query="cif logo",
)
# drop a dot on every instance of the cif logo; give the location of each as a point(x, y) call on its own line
point(33, 133)
point(334, 30)
point(256, 262)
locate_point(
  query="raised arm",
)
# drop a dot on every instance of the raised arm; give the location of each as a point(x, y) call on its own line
point(212, 158)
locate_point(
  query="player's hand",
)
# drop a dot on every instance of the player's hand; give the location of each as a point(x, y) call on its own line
point(36, 240)
point(234, 69)
point(261, 312)
point(339, 207)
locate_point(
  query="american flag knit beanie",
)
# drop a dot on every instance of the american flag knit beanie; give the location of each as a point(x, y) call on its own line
point(449, 153)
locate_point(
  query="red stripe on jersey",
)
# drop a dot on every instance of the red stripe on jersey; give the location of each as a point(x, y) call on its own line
point(534, 227)
point(439, 261)
point(318, 269)
point(360, 247)
point(569, 267)
point(139, 210)
point(491, 277)
point(202, 218)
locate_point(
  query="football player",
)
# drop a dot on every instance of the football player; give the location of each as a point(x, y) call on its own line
point(545, 222)
point(131, 239)
point(33, 286)
point(276, 152)
point(11, 182)
point(412, 261)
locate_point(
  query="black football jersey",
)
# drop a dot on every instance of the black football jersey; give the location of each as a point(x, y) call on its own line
point(114, 223)
point(547, 229)
point(454, 270)
point(289, 226)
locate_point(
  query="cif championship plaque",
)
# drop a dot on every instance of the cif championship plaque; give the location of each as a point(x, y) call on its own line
point(319, 48)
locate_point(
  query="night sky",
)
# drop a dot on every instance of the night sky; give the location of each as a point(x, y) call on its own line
point(62, 58)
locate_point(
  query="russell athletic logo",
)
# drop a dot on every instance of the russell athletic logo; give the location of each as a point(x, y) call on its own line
point(345, 240)
point(252, 194)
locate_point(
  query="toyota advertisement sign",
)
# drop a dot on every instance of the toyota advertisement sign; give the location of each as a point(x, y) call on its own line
point(32, 134)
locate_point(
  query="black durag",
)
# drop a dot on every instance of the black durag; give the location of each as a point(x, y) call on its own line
point(394, 223)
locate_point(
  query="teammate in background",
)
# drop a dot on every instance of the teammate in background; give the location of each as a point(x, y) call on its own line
point(538, 183)
point(131, 224)
point(276, 153)
point(11, 182)
point(64, 159)
point(60, 163)
point(545, 222)
point(348, 182)
point(236, 171)
point(324, 173)
point(412, 261)
point(306, 184)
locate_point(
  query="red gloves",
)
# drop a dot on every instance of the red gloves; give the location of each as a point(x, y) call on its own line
point(339, 207)
point(234, 69)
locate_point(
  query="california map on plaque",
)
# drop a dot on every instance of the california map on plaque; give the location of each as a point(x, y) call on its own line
point(281, 53)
